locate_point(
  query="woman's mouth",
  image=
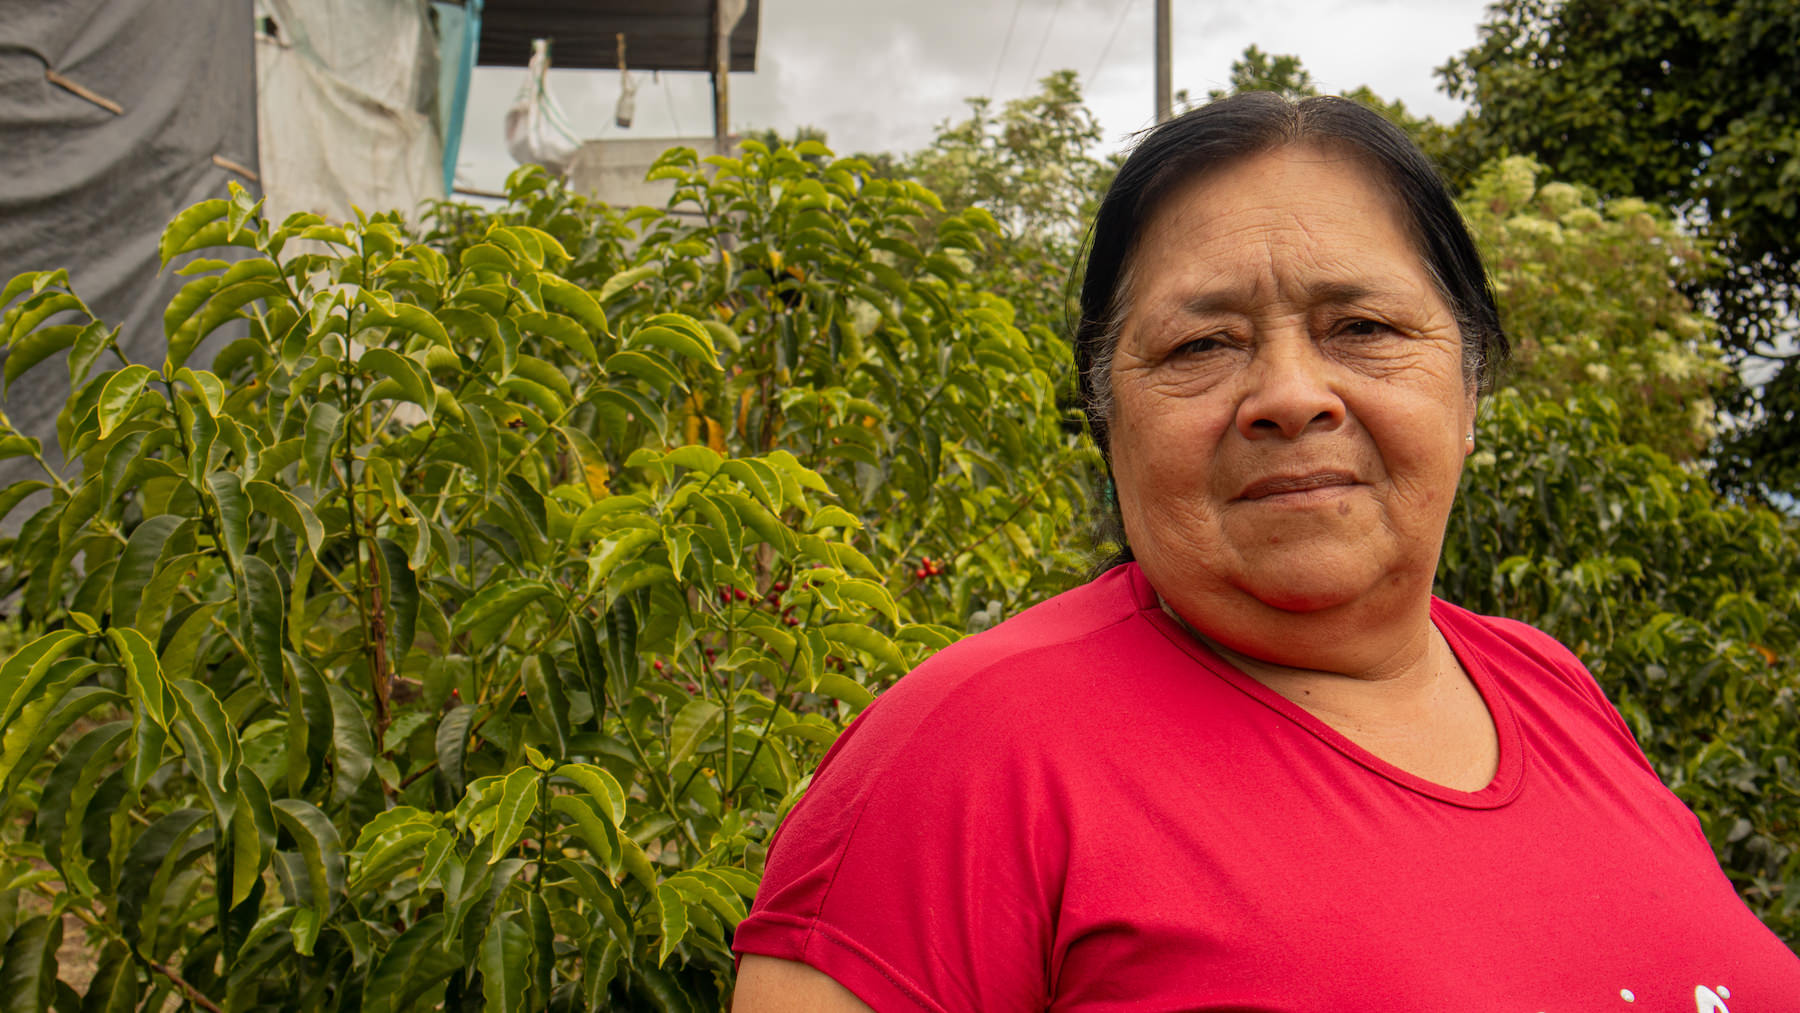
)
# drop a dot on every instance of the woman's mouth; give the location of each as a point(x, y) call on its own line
point(1282, 485)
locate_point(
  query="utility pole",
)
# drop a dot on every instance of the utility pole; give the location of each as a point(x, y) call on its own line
point(1164, 95)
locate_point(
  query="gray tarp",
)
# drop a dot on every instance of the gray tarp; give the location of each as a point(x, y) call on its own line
point(88, 188)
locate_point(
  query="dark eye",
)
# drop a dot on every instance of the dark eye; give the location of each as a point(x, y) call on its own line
point(1198, 346)
point(1362, 327)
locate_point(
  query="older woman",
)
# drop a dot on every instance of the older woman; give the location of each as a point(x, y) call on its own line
point(1257, 765)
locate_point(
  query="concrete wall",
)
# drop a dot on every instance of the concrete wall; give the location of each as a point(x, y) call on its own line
point(613, 170)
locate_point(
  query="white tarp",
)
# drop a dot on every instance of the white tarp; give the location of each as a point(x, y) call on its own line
point(347, 106)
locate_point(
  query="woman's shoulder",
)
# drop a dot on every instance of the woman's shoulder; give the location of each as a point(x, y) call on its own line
point(1533, 664)
point(1518, 642)
point(1055, 638)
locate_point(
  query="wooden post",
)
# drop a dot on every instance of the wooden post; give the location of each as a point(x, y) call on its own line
point(725, 15)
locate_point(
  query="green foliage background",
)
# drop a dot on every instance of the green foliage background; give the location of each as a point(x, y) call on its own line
point(459, 636)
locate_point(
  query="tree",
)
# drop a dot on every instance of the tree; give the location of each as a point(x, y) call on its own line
point(459, 637)
point(1594, 296)
point(1031, 167)
point(1259, 71)
point(1689, 105)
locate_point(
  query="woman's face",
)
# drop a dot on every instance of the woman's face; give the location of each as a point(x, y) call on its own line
point(1290, 409)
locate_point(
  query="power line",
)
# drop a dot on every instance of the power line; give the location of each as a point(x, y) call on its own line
point(1031, 78)
point(1010, 25)
point(1110, 39)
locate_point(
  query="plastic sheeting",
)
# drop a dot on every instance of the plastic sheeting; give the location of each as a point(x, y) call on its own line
point(347, 93)
point(459, 39)
point(88, 183)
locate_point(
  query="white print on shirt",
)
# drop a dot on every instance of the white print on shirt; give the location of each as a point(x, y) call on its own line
point(1706, 1000)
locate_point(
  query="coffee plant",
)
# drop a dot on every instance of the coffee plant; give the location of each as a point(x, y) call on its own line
point(456, 637)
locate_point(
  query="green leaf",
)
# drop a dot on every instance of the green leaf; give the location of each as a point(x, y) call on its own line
point(574, 301)
point(694, 345)
point(695, 457)
point(489, 610)
point(352, 745)
point(42, 722)
point(24, 672)
point(413, 965)
point(617, 549)
point(620, 647)
point(488, 255)
point(652, 369)
point(22, 284)
point(410, 377)
point(66, 792)
point(408, 317)
point(593, 664)
point(118, 395)
point(324, 428)
point(310, 723)
point(288, 510)
point(28, 978)
point(209, 744)
point(93, 340)
point(320, 847)
point(452, 745)
point(867, 640)
point(402, 597)
point(627, 278)
point(518, 804)
point(114, 987)
point(673, 920)
point(543, 688)
point(252, 837)
point(506, 955)
point(599, 784)
point(600, 835)
point(187, 302)
point(562, 330)
point(690, 727)
point(833, 516)
point(871, 594)
point(16, 494)
point(262, 614)
point(234, 512)
point(139, 872)
point(36, 347)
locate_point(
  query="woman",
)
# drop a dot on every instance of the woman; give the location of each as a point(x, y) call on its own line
point(1258, 765)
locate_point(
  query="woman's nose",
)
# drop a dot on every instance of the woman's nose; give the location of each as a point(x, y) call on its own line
point(1289, 390)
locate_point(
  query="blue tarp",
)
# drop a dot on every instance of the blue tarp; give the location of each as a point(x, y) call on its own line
point(459, 39)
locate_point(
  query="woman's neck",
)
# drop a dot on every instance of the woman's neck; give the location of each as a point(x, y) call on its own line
point(1418, 710)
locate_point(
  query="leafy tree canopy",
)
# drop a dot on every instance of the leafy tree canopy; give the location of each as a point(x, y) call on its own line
point(1033, 168)
point(1689, 104)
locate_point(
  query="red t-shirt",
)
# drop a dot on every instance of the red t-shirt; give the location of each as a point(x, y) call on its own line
point(1085, 809)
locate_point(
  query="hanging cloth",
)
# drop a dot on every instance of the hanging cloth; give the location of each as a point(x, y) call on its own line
point(537, 131)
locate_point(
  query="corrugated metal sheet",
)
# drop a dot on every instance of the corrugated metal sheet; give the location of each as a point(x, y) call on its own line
point(659, 34)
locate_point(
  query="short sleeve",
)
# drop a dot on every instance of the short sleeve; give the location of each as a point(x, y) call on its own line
point(920, 870)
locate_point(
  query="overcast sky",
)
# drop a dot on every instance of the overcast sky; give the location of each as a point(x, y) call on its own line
point(879, 76)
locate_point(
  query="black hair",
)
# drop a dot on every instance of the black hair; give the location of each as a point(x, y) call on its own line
point(1229, 130)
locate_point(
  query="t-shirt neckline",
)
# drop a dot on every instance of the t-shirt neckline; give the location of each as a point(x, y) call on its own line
point(1499, 791)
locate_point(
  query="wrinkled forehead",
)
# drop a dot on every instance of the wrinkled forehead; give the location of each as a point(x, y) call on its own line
point(1205, 202)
